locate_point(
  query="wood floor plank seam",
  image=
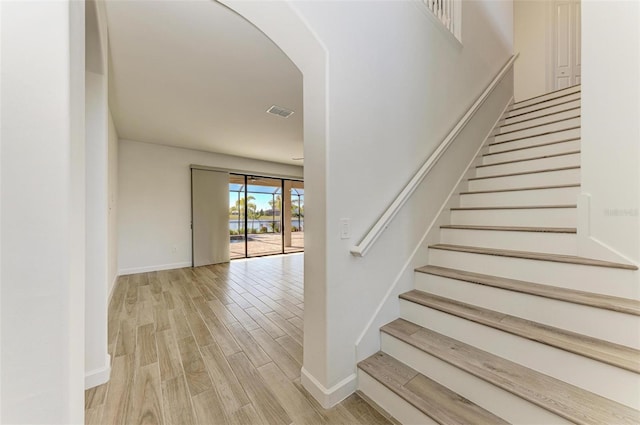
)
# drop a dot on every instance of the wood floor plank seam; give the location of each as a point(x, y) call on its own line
point(158, 322)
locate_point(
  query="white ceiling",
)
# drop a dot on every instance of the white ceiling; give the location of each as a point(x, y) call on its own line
point(193, 74)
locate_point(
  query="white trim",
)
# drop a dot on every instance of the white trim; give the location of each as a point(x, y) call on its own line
point(245, 172)
point(549, 46)
point(114, 282)
point(99, 376)
point(146, 269)
point(373, 324)
point(591, 247)
point(329, 397)
point(454, 38)
point(385, 219)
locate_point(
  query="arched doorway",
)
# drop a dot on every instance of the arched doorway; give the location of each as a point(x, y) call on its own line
point(282, 24)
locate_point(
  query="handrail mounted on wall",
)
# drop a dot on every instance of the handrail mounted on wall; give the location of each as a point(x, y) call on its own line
point(385, 219)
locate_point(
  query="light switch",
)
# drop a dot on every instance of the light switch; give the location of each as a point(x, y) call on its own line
point(345, 228)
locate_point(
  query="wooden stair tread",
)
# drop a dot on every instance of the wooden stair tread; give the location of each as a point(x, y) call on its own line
point(542, 108)
point(542, 256)
point(515, 207)
point(565, 400)
point(569, 139)
point(551, 92)
point(538, 125)
point(607, 302)
point(517, 189)
point(511, 228)
point(434, 400)
point(515, 106)
point(539, 116)
point(594, 348)
point(556, 142)
point(533, 158)
point(522, 173)
point(546, 133)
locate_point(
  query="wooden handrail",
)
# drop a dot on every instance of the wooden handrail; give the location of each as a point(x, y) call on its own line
point(385, 219)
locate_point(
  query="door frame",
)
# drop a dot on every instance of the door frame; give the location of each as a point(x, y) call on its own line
point(550, 45)
point(230, 171)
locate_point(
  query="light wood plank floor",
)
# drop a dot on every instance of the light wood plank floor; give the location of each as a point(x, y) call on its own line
point(212, 345)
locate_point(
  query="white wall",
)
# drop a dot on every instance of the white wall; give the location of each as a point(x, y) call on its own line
point(397, 85)
point(610, 129)
point(530, 40)
point(112, 274)
point(97, 361)
point(394, 85)
point(154, 201)
point(42, 199)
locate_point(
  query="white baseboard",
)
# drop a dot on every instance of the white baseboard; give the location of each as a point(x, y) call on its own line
point(590, 247)
point(134, 270)
point(112, 287)
point(99, 376)
point(329, 397)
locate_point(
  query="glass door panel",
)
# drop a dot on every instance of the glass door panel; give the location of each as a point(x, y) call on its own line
point(237, 241)
point(294, 240)
point(261, 220)
point(264, 216)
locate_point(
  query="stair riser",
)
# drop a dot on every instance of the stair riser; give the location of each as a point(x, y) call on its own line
point(591, 321)
point(602, 379)
point(599, 280)
point(513, 141)
point(559, 196)
point(555, 96)
point(557, 243)
point(523, 143)
point(500, 402)
point(546, 118)
point(527, 180)
point(519, 109)
point(518, 117)
point(533, 165)
point(552, 217)
point(555, 148)
point(393, 404)
point(562, 125)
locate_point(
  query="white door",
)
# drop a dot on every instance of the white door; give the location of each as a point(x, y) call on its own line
point(210, 217)
point(567, 40)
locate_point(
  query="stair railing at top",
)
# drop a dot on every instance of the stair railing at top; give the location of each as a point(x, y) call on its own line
point(385, 219)
point(448, 12)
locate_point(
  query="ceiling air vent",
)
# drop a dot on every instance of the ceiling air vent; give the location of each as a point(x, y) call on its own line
point(279, 111)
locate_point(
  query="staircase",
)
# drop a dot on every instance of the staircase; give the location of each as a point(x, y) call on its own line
point(506, 324)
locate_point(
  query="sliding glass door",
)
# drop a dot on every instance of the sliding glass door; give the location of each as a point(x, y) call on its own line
point(294, 239)
point(266, 216)
point(237, 239)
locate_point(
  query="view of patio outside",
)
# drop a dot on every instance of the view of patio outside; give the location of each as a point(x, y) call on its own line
point(257, 225)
